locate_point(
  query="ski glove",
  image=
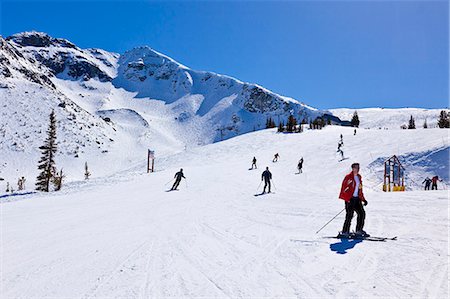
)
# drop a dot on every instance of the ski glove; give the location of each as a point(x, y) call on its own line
point(365, 202)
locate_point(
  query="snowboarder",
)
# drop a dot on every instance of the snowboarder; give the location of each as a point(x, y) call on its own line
point(178, 176)
point(266, 176)
point(300, 165)
point(254, 163)
point(427, 182)
point(275, 158)
point(434, 181)
point(352, 194)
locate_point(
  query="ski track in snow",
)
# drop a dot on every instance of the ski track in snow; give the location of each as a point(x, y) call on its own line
point(125, 237)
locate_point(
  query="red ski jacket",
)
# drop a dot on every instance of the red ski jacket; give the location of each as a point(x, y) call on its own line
point(348, 187)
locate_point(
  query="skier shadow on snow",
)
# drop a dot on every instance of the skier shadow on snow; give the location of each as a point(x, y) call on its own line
point(344, 245)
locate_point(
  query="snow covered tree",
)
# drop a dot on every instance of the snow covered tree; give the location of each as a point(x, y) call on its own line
point(47, 161)
point(355, 120)
point(87, 174)
point(444, 121)
point(412, 123)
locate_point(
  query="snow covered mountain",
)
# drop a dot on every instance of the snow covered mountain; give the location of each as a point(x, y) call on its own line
point(105, 101)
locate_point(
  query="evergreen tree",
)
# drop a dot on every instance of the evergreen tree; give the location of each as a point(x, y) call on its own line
point(444, 121)
point(412, 123)
point(291, 124)
point(355, 120)
point(47, 161)
point(280, 127)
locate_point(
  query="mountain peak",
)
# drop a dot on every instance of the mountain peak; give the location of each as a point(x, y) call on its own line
point(38, 39)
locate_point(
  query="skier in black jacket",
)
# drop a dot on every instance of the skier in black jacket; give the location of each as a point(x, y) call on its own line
point(427, 182)
point(178, 176)
point(266, 176)
point(300, 165)
point(254, 163)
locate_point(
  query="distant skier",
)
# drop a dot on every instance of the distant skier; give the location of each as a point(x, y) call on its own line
point(178, 176)
point(266, 176)
point(254, 163)
point(354, 132)
point(352, 194)
point(340, 144)
point(427, 182)
point(434, 181)
point(342, 139)
point(275, 158)
point(300, 165)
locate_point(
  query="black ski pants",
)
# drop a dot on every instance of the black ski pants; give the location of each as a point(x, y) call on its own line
point(427, 186)
point(266, 184)
point(175, 185)
point(354, 205)
point(434, 186)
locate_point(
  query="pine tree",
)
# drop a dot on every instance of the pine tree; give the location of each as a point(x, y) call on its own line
point(355, 120)
point(444, 121)
point(425, 125)
point(291, 124)
point(47, 161)
point(280, 126)
point(412, 123)
point(87, 174)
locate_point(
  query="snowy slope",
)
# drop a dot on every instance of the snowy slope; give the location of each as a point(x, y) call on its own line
point(124, 236)
point(375, 118)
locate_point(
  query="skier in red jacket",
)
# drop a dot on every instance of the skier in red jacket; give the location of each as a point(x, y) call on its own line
point(352, 194)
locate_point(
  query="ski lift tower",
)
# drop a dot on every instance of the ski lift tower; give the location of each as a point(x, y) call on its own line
point(394, 175)
point(150, 161)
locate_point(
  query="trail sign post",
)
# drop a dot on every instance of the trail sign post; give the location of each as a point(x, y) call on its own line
point(150, 161)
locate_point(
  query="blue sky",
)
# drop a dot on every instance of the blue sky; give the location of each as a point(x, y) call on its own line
point(327, 54)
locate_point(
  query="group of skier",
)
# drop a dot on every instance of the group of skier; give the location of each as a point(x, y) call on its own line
point(431, 182)
point(351, 192)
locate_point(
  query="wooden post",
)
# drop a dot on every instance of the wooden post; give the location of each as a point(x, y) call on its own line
point(150, 157)
point(148, 161)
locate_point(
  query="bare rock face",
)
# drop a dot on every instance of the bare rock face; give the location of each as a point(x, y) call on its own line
point(62, 57)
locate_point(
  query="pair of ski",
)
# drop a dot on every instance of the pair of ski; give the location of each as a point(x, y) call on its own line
point(365, 238)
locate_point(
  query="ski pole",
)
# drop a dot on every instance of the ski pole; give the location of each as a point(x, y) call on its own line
point(185, 181)
point(258, 187)
point(168, 182)
point(330, 220)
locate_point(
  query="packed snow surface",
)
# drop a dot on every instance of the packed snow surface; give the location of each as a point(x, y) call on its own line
point(124, 236)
